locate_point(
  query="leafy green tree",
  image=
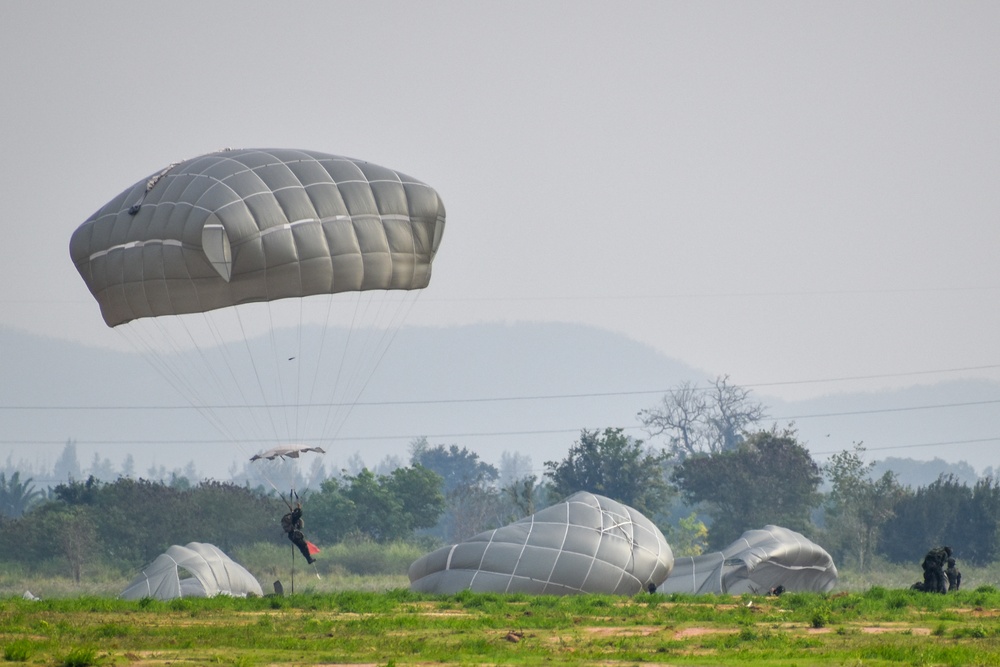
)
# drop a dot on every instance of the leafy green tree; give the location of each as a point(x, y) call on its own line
point(229, 515)
point(946, 512)
point(457, 467)
point(922, 518)
point(977, 529)
point(330, 516)
point(614, 465)
point(769, 479)
point(57, 532)
point(473, 502)
point(415, 489)
point(857, 507)
point(135, 520)
point(377, 507)
point(689, 537)
point(17, 497)
point(522, 495)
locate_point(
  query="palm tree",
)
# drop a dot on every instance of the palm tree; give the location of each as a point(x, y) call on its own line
point(17, 497)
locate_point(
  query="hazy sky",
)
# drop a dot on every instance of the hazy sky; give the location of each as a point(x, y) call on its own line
point(778, 191)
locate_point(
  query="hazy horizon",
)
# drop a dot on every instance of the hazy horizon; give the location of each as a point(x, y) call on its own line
point(801, 196)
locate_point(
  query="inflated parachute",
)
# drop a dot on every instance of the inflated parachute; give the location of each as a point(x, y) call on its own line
point(286, 452)
point(265, 285)
point(195, 570)
point(586, 544)
point(247, 225)
point(757, 562)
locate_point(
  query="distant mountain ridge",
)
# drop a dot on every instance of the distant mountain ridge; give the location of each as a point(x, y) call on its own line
point(524, 387)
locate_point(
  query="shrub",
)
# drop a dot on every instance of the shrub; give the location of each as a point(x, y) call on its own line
point(80, 657)
point(19, 650)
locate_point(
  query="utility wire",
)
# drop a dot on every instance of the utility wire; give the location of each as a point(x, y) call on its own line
point(262, 406)
point(435, 436)
point(530, 397)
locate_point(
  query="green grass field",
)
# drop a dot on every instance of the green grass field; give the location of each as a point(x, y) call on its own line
point(339, 615)
point(877, 627)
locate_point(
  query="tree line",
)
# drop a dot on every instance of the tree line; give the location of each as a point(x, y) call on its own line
point(717, 474)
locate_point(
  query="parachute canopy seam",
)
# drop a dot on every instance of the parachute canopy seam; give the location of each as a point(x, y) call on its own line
point(136, 244)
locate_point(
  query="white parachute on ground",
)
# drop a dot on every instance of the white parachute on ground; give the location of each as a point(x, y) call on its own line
point(586, 544)
point(195, 570)
point(760, 560)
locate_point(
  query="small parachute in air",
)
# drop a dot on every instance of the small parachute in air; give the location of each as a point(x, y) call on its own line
point(286, 452)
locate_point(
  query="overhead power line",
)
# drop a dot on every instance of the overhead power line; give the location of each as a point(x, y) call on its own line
point(262, 406)
point(708, 295)
point(446, 436)
point(527, 397)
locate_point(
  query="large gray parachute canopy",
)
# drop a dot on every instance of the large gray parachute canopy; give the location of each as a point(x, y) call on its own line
point(586, 544)
point(757, 562)
point(247, 225)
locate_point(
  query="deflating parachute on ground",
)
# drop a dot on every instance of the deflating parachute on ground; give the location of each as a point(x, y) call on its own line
point(247, 225)
point(756, 563)
point(586, 544)
point(195, 570)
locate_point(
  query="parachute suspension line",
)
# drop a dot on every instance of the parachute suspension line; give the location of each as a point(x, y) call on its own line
point(319, 356)
point(298, 369)
point(279, 388)
point(221, 378)
point(346, 393)
point(387, 338)
point(334, 398)
point(211, 374)
point(163, 354)
point(360, 380)
point(256, 371)
point(159, 340)
point(395, 328)
point(212, 323)
point(272, 393)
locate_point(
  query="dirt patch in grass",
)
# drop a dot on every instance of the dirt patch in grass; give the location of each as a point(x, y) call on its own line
point(900, 628)
point(630, 631)
point(686, 633)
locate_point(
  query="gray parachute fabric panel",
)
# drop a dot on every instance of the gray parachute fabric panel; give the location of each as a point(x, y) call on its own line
point(755, 563)
point(193, 570)
point(248, 225)
point(586, 544)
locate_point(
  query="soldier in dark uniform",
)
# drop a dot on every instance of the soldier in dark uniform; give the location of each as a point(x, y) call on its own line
point(954, 576)
point(933, 564)
point(292, 524)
